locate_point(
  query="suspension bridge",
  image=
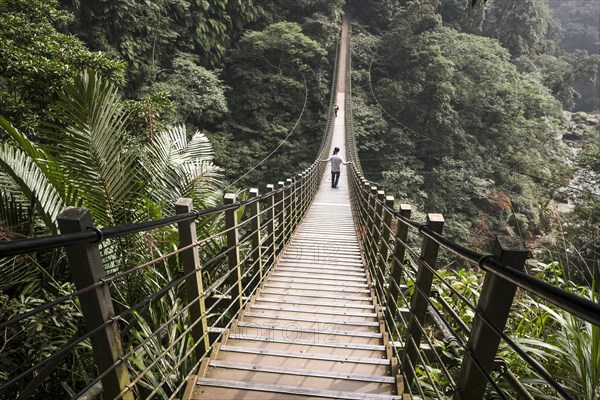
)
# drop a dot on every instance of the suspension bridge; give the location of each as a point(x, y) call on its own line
point(317, 292)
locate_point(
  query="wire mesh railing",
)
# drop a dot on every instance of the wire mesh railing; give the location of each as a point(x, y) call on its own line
point(147, 344)
point(451, 342)
point(449, 331)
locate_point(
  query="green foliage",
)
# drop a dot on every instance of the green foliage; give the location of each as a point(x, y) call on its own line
point(579, 21)
point(198, 93)
point(375, 15)
point(38, 60)
point(563, 344)
point(456, 106)
point(121, 181)
point(161, 344)
point(568, 346)
point(276, 89)
point(299, 10)
point(100, 168)
point(95, 154)
point(32, 341)
point(179, 167)
point(581, 238)
point(149, 35)
point(150, 114)
point(522, 26)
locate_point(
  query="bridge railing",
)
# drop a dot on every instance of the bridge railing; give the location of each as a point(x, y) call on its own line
point(422, 308)
point(135, 353)
point(442, 356)
point(252, 234)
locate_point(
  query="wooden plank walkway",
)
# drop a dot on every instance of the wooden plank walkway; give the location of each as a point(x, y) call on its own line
point(313, 329)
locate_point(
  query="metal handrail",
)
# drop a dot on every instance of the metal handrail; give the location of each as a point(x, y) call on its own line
point(282, 208)
point(578, 306)
point(366, 204)
point(92, 236)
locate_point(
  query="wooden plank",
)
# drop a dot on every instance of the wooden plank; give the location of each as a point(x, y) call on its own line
point(323, 274)
point(351, 267)
point(292, 390)
point(282, 269)
point(319, 296)
point(303, 372)
point(191, 382)
point(300, 286)
point(320, 282)
point(329, 321)
point(332, 394)
point(315, 303)
point(350, 346)
point(377, 335)
point(309, 356)
point(313, 311)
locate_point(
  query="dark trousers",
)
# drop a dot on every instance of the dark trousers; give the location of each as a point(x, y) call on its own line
point(335, 178)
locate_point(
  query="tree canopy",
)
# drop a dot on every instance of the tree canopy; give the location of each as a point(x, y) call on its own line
point(37, 59)
point(455, 105)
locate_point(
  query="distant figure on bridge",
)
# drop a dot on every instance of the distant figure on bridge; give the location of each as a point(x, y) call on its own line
point(336, 109)
point(336, 163)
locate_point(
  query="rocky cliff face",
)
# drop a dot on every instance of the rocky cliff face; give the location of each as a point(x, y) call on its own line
point(579, 128)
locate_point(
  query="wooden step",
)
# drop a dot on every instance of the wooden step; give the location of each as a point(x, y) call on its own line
point(303, 372)
point(277, 390)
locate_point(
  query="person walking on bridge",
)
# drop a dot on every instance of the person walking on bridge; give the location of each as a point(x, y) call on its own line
point(336, 163)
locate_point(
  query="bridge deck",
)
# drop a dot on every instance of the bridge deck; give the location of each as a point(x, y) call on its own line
point(313, 329)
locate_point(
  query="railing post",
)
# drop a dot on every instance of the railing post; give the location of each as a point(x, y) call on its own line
point(419, 303)
point(255, 227)
point(300, 199)
point(494, 303)
point(280, 207)
point(233, 255)
point(295, 211)
point(271, 244)
point(313, 178)
point(384, 245)
point(289, 203)
point(363, 215)
point(378, 235)
point(305, 190)
point(87, 269)
point(190, 260)
point(372, 222)
point(395, 278)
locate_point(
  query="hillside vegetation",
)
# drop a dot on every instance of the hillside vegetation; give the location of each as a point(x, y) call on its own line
point(123, 106)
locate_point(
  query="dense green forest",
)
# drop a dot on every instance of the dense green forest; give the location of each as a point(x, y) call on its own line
point(487, 113)
point(459, 109)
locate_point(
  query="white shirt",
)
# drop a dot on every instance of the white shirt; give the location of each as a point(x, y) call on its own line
point(336, 162)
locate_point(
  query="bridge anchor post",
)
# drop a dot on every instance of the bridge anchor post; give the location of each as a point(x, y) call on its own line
point(494, 303)
point(419, 300)
point(233, 255)
point(86, 266)
point(190, 260)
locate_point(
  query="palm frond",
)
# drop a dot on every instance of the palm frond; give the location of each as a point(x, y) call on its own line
point(33, 183)
point(180, 167)
point(93, 148)
point(199, 147)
